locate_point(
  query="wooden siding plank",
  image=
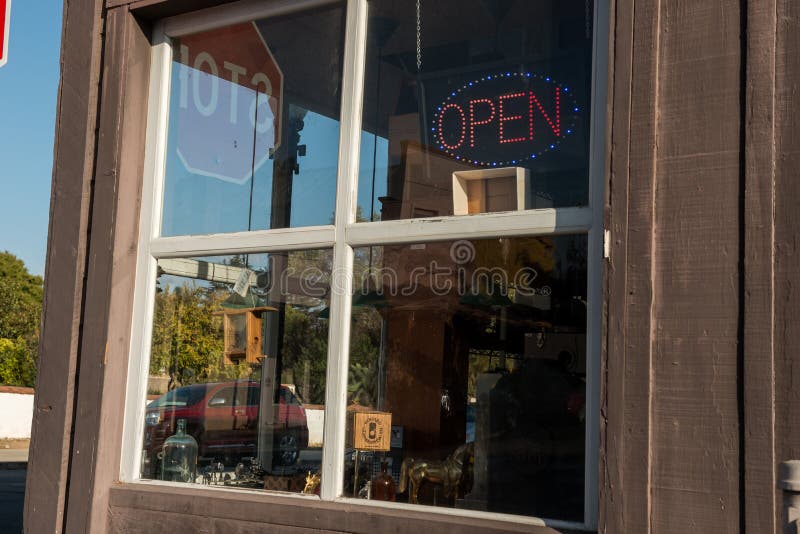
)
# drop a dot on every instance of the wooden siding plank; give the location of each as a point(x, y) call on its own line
point(269, 510)
point(123, 156)
point(231, 526)
point(70, 201)
point(97, 296)
point(132, 521)
point(758, 365)
point(787, 230)
point(695, 424)
point(625, 496)
point(613, 516)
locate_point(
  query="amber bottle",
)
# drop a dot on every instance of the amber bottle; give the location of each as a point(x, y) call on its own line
point(383, 488)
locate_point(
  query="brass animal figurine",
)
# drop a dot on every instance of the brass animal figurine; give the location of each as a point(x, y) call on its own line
point(448, 472)
point(312, 483)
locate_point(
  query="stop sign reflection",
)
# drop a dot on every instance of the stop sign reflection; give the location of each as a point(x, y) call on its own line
point(228, 117)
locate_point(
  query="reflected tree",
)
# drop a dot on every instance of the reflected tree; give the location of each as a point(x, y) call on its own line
point(187, 343)
point(20, 309)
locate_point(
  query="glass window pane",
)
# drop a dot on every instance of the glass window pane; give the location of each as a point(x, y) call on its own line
point(253, 137)
point(475, 106)
point(471, 356)
point(237, 370)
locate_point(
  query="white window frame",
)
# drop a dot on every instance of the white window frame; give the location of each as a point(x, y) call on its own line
point(346, 234)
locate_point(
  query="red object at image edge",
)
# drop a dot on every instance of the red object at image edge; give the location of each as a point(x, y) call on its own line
point(5, 15)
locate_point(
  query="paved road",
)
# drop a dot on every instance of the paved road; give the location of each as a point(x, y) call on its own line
point(12, 497)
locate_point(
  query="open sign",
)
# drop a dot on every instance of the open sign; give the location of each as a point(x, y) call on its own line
point(503, 119)
point(229, 89)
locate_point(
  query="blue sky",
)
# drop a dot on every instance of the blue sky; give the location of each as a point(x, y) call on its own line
point(208, 185)
point(28, 92)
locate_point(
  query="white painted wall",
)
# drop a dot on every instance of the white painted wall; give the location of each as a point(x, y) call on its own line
point(16, 415)
point(315, 418)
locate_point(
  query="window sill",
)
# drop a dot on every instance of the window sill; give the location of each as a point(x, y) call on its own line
point(154, 506)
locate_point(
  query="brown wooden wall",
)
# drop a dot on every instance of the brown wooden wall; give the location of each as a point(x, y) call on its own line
point(700, 351)
point(673, 288)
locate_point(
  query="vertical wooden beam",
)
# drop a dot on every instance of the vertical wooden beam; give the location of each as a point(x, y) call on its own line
point(626, 439)
point(695, 469)
point(95, 312)
point(111, 272)
point(612, 490)
point(671, 411)
point(123, 155)
point(70, 204)
point(787, 229)
point(759, 282)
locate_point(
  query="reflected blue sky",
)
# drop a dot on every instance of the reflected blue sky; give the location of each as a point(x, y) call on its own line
point(28, 93)
point(219, 200)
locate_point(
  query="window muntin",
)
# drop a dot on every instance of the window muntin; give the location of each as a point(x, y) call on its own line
point(536, 222)
point(254, 125)
point(472, 87)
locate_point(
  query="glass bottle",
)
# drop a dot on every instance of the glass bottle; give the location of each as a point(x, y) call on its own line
point(383, 488)
point(179, 456)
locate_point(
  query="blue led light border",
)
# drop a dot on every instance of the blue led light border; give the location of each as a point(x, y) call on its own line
point(569, 130)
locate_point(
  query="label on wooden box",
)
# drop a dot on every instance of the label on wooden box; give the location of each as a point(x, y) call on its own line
point(370, 431)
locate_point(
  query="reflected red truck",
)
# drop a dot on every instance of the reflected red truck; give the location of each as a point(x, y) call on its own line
point(223, 418)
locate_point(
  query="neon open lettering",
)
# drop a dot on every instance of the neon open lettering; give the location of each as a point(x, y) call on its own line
point(463, 126)
point(555, 124)
point(515, 113)
point(502, 118)
point(473, 122)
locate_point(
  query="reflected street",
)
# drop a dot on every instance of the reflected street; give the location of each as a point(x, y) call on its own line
point(12, 499)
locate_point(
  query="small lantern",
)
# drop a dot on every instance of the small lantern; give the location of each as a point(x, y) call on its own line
point(243, 334)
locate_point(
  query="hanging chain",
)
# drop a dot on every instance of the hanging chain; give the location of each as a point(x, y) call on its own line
point(419, 37)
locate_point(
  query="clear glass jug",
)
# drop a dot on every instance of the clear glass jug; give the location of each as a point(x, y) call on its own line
point(179, 456)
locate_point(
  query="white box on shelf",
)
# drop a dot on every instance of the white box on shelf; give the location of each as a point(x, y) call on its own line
point(490, 190)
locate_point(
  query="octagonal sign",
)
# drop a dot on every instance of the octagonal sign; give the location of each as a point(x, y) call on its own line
point(229, 88)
